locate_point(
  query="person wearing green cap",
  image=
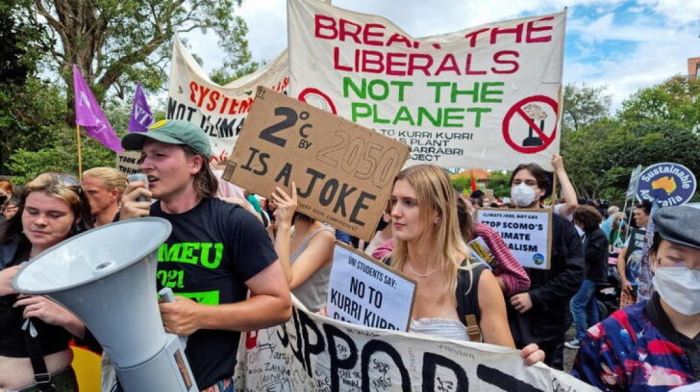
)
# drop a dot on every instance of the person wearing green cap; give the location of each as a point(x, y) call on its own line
point(216, 253)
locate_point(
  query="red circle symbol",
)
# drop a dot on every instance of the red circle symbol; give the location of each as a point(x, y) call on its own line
point(518, 109)
point(318, 98)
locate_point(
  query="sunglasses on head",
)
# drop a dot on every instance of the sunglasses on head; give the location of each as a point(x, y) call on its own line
point(69, 181)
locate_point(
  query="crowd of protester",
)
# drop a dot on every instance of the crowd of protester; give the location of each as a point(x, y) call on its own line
point(269, 249)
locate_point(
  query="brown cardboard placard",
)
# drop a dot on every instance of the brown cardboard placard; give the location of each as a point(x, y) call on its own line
point(343, 172)
point(129, 162)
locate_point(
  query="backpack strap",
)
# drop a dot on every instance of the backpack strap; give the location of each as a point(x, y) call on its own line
point(468, 298)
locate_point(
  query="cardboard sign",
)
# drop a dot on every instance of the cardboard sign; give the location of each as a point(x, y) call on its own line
point(314, 353)
point(343, 172)
point(670, 184)
point(489, 94)
point(363, 291)
point(528, 233)
point(129, 162)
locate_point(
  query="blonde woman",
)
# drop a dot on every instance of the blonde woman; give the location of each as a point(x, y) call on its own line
point(429, 248)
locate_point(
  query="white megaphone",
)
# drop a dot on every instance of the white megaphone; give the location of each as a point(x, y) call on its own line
point(107, 277)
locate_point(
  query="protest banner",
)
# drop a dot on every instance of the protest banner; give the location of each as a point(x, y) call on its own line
point(490, 94)
point(363, 291)
point(670, 184)
point(315, 353)
point(528, 233)
point(343, 172)
point(141, 117)
point(219, 110)
point(634, 183)
point(129, 162)
point(482, 253)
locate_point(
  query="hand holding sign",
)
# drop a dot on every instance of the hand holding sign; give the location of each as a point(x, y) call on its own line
point(343, 171)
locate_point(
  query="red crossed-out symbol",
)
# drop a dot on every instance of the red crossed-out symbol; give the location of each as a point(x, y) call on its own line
point(518, 109)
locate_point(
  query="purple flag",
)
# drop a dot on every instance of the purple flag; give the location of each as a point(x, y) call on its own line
point(89, 114)
point(141, 117)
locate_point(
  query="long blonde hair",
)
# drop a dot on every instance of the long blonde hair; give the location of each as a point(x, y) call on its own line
point(434, 194)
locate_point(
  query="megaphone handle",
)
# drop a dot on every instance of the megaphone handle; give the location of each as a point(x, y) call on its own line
point(167, 294)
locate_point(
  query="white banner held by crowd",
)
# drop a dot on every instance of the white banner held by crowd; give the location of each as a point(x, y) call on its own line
point(314, 353)
point(362, 291)
point(489, 94)
point(219, 110)
point(528, 233)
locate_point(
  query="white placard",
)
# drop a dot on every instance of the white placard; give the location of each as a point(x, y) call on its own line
point(363, 291)
point(528, 233)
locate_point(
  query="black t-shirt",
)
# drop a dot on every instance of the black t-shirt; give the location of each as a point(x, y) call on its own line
point(213, 249)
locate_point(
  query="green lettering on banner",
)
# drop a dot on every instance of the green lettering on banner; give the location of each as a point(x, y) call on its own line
point(204, 297)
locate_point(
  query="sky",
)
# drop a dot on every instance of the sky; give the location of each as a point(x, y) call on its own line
point(624, 45)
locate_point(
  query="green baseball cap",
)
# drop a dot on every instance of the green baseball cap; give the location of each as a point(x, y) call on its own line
point(172, 132)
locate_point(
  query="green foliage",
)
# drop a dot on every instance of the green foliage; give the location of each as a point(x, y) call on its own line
point(677, 100)
point(499, 181)
point(29, 115)
point(584, 105)
point(60, 157)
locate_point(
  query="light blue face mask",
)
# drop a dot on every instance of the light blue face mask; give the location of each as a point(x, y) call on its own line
point(679, 287)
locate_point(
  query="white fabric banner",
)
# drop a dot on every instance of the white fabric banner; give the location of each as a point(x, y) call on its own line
point(485, 97)
point(219, 110)
point(314, 353)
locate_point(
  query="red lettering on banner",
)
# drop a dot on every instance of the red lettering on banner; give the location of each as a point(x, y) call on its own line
point(394, 65)
point(377, 61)
point(398, 38)
point(517, 31)
point(345, 31)
point(403, 64)
point(532, 29)
point(498, 58)
point(413, 65)
point(336, 61)
point(367, 34)
point(324, 23)
point(212, 100)
point(445, 67)
point(473, 36)
point(468, 70)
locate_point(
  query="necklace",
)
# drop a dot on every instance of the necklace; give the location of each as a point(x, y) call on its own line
point(418, 274)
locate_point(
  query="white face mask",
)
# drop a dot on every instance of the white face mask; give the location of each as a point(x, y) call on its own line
point(522, 195)
point(680, 288)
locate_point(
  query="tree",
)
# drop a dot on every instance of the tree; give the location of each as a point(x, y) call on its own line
point(584, 105)
point(677, 99)
point(118, 43)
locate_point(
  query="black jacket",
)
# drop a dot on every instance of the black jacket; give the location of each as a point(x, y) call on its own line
point(595, 250)
point(552, 289)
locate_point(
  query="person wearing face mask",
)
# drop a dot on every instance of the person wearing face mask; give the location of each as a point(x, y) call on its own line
point(653, 345)
point(541, 314)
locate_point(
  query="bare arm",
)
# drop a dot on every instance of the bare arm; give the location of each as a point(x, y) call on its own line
point(567, 189)
point(318, 253)
point(494, 321)
point(270, 304)
point(51, 313)
point(621, 267)
point(6, 276)
point(286, 205)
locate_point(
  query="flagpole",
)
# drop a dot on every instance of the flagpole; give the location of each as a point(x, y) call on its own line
point(80, 157)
